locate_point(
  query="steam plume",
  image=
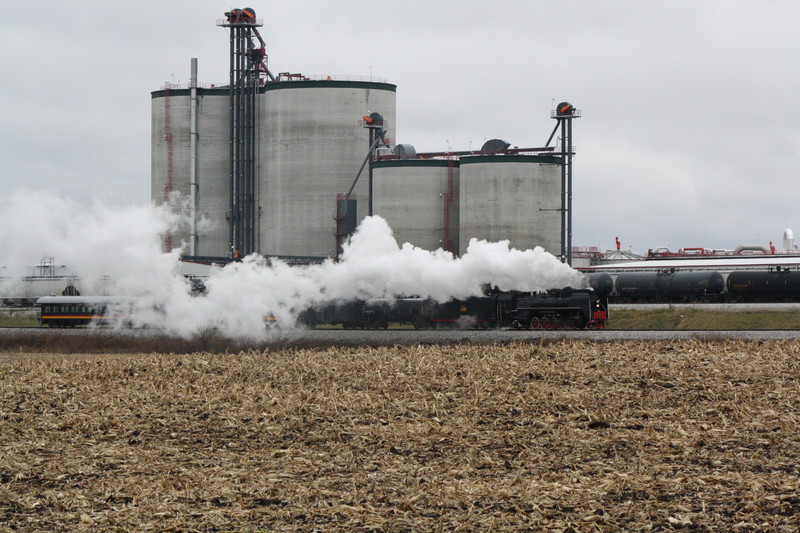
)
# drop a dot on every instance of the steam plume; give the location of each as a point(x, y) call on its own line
point(123, 243)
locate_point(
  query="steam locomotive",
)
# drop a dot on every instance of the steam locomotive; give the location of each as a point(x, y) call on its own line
point(555, 309)
point(778, 285)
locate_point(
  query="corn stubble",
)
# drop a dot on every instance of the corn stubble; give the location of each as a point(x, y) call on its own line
point(693, 435)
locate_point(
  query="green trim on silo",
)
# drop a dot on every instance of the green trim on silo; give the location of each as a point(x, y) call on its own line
point(394, 163)
point(550, 159)
point(340, 84)
point(201, 91)
point(344, 84)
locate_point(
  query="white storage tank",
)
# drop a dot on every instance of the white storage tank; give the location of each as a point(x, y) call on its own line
point(170, 160)
point(514, 197)
point(311, 145)
point(419, 199)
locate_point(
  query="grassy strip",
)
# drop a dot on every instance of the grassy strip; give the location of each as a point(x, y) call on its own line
point(18, 322)
point(697, 319)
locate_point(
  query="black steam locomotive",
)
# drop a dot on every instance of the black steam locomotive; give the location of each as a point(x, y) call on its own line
point(556, 309)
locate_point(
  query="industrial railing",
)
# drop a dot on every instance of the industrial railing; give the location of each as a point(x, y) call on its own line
point(187, 85)
point(284, 76)
point(253, 22)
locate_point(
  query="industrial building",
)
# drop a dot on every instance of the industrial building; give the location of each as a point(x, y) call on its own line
point(286, 165)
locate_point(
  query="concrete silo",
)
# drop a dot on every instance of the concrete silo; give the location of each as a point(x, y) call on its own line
point(171, 166)
point(514, 197)
point(264, 157)
point(419, 199)
point(311, 144)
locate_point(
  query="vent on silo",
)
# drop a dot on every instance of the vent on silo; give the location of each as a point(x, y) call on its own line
point(494, 146)
point(405, 151)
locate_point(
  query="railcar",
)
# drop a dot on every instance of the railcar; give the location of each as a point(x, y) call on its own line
point(780, 285)
point(669, 286)
point(71, 311)
point(351, 314)
point(602, 283)
point(473, 312)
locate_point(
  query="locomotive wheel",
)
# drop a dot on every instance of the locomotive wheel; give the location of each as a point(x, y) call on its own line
point(536, 323)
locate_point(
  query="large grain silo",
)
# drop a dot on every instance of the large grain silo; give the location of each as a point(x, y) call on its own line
point(514, 197)
point(172, 162)
point(419, 199)
point(256, 165)
point(311, 145)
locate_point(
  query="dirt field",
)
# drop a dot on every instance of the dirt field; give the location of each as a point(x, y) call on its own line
point(571, 437)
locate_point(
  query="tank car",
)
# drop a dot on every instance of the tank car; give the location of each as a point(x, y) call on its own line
point(669, 286)
point(638, 286)
point(768, 286)
point(693, 285)
point(602, 283)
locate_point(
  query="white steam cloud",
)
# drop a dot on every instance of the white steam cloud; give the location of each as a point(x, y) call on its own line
point(123, 244)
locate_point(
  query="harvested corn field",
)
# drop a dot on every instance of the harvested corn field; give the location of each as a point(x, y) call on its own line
point(565, 436)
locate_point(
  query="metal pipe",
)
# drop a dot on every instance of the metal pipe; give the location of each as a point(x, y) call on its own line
point(366, 159)
point(562, 123)
point(193, 160)
point(231, 148)
point(507, 151)
point(369, 173)
point(552, 134)
point(569, 191)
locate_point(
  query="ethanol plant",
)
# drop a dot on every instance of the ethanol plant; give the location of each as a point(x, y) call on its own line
point(285, 165)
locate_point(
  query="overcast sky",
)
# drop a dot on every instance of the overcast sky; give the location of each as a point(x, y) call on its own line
point(689, 136)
